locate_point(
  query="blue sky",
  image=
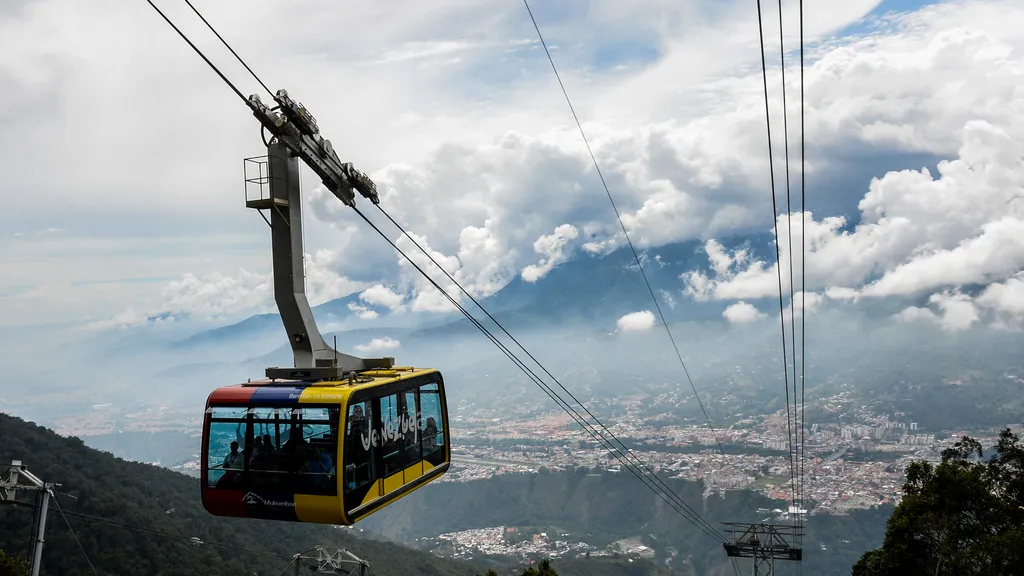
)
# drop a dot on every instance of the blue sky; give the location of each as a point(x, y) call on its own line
point(135, 155)
point(885, 7)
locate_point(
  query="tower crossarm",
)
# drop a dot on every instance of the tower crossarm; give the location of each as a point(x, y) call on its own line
point(296, 128)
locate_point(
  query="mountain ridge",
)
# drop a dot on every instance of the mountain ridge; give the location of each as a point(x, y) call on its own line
point(565, 294)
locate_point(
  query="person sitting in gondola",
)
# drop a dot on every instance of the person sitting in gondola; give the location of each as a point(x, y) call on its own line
point(429, 436)
point(234, 459)
point(268, 445)
point(257, 444)
point(233, 464)
point(318, 466)
point(357, 442)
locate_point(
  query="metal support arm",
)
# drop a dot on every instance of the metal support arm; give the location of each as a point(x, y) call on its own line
point(296, 137)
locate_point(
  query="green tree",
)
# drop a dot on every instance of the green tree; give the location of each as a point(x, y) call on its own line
point(12, 565)
point(542, 569)
point(964, 516)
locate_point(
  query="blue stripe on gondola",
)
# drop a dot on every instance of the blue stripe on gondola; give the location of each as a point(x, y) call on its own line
point(277, 395)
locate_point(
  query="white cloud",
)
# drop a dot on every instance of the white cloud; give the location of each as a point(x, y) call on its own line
point(916, 314)
point(1006, 300)
point(217, 296)
point(801, 303)
point(211, 297)
point(381, 295)
point(426, 298)
point(636, 321)
point(1001, 304)
point(918, 234)
point(743, 313)
point(362, 311)
point(379, 345)
point(944, 80)
point(956, 311)
point(469, 141)
point(552, 247)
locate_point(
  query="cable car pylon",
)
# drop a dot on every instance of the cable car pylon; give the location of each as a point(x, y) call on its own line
point(9, 487)
point(320, 560)
point(765, 543)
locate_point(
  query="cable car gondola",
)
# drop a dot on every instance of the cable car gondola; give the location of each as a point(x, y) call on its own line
point(336, 437)
point(325, 451)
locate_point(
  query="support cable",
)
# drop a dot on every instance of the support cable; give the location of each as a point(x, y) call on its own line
point(632, 248)
point(803, 270)
point(287, 566)
point(778, 258)
point(75, 536)
point(624, 448)
point(798, 425)
point(200, 52)
point(697, 519)
point(155, 532)
point(228, 46)
point(789, 230)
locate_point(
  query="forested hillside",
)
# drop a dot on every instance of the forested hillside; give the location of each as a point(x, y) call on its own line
point(600, 508)
point(164, 512)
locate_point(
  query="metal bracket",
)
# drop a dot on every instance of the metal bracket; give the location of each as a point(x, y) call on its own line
point(9, 487)
point(765, 543)
point(338, 561)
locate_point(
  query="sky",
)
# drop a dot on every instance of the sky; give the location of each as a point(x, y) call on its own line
point(122, 151)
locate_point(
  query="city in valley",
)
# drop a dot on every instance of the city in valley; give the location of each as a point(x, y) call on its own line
point(858, 464)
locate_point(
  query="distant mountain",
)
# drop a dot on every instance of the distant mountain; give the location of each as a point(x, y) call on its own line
point(589, 288)
point(251, 325)
point(333, 311)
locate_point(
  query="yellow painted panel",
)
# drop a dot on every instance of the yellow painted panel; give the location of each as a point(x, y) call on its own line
point(393, 482)
point(354, 519)
point(324, 509)
point(413, 472)
point(372, 494)
point(325, 395)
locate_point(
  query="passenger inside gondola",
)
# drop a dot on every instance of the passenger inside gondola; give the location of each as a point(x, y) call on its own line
point(357, 444)
point(233, 464)
point(319, 469)
point(430, 436)
point(234, 458)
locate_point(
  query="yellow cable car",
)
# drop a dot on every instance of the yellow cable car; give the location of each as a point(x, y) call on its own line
point(335, 437)
point(328, 451)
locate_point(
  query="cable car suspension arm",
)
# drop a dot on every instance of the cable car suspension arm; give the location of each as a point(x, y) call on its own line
point(296, 136)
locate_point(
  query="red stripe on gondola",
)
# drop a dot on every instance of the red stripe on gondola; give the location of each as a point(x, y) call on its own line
point(232, 395)
point(221, 502)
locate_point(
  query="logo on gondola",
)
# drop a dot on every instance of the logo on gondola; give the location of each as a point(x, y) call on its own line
point(253, 499)
point(391, 430)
